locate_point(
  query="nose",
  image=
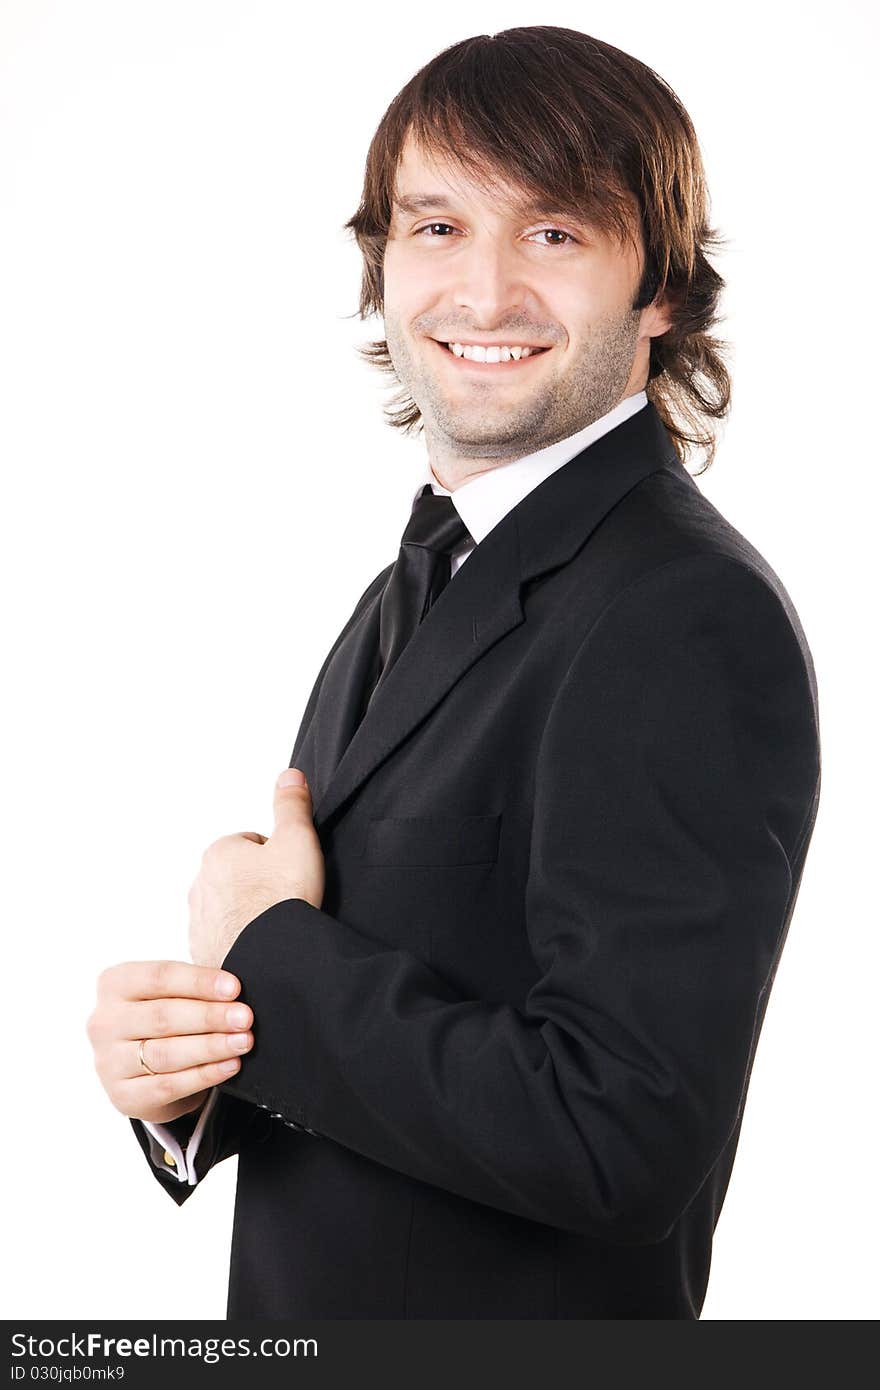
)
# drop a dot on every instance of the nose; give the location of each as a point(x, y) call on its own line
point(488, 282)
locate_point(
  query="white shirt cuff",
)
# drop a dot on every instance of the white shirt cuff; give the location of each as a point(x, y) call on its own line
point(184, 1165)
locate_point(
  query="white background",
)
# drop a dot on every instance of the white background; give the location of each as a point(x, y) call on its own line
point(198, 483)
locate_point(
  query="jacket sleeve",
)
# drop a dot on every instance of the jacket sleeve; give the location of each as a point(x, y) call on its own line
point(675, 792)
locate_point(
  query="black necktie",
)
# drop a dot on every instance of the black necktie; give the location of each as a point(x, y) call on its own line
point(421, 572)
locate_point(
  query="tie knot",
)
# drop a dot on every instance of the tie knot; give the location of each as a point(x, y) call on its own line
point(435, 524)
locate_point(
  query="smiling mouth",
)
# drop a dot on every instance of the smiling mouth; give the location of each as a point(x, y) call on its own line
point(512, 365)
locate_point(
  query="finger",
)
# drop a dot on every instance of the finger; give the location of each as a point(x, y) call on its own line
point(167, 1018)
point(178, 1054)
point(292, 802)
point(153, 1092)
point(167, 979)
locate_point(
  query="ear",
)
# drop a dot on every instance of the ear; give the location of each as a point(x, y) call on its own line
point(658, 316)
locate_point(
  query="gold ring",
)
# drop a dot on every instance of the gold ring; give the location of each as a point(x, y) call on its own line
point(142, 1059)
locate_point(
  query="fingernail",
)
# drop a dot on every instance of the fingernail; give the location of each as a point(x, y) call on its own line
point(226, 985)
point(230, 1066)
point(292, 778)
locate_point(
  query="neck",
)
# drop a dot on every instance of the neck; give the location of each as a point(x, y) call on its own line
point(452, 468)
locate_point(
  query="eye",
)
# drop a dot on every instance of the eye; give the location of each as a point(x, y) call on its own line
point(544, 231)
point(555, 231)
point(430, 227)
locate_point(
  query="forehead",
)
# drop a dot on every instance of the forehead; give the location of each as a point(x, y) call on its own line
point(429, 179)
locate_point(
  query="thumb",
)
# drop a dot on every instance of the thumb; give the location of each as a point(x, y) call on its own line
point(293, 800)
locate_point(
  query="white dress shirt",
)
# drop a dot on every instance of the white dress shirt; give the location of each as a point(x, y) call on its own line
point(481, 503)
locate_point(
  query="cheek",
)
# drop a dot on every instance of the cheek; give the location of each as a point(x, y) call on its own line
point(570, 305)
point(407, 282)
point(615, 292)
point(591, 291)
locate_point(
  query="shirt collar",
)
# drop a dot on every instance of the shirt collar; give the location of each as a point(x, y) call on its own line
point(484, 500)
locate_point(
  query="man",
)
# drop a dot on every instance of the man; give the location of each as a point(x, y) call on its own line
point(504, 959)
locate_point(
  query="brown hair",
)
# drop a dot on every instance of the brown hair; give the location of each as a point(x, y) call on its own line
point(576, 122)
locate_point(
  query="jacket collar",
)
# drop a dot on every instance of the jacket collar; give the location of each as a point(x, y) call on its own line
point(476, 609)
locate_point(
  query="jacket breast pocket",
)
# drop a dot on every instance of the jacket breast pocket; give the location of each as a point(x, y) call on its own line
point(432, 840)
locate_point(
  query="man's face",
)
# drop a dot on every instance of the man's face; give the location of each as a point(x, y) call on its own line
point(464, 268)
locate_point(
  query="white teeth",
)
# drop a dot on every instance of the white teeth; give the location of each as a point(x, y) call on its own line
point(474, 353)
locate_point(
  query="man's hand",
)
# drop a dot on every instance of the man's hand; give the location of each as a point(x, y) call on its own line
point(243, 875)
point(195, 1035)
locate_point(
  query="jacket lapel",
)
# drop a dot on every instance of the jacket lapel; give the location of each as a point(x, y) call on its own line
point(477, 608)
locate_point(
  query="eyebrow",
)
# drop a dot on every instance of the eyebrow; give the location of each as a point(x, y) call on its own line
point(418, 202)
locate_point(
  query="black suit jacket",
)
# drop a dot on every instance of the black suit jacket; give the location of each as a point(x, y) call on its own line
point(501, 1072)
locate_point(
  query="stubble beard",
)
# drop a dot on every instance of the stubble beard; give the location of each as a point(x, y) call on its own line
point(469, 425)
